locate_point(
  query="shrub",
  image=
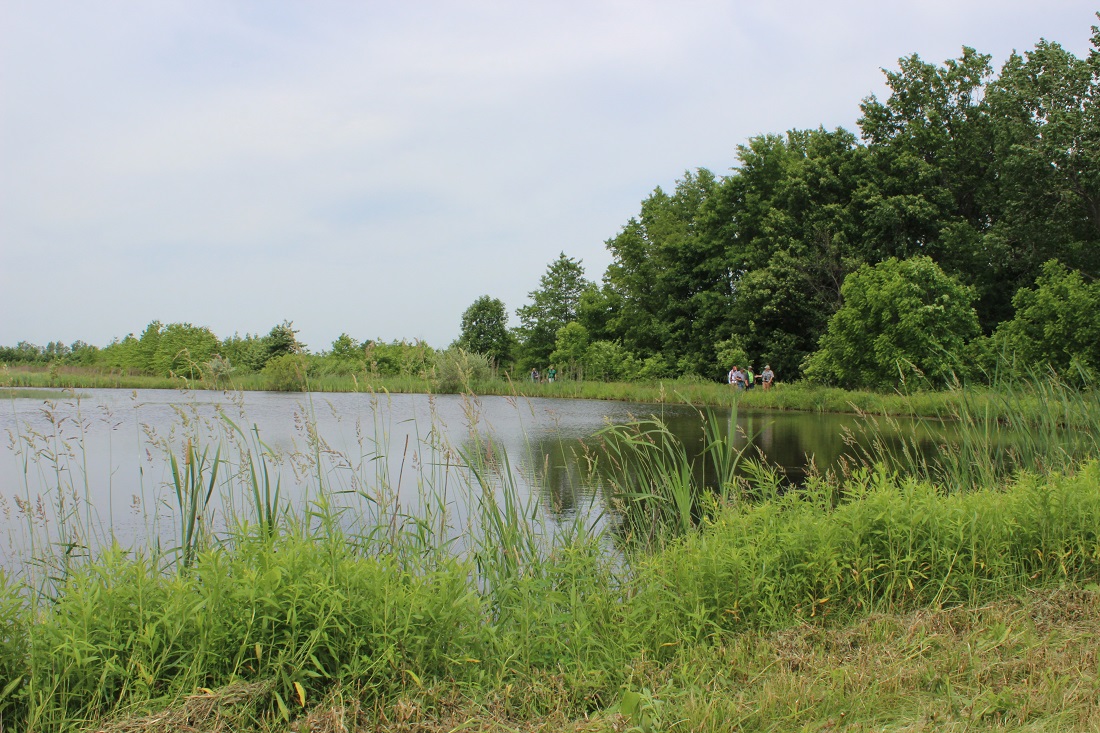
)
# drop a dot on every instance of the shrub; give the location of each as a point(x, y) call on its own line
point(608, 361)
point(456, 369)
point(286, 373)
point(1057, 323)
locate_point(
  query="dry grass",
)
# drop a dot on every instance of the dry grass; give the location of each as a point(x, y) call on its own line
point(1030, 662)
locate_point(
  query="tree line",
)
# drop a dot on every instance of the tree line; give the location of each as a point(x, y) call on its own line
point(956, 233)
point(958, 229)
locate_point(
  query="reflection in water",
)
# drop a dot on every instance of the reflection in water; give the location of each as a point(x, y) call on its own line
point(104, 457)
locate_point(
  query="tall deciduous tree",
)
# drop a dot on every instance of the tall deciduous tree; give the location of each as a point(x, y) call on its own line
point(1047, 199)
point(790, 233)
point(666, 279)
point(552, 306)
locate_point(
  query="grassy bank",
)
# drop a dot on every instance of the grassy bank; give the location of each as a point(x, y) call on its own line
point(1021, 400)
point(988, 668)
point(311, 620)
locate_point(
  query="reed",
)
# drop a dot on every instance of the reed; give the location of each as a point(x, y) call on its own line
point(1040, 423)
point(657, 488)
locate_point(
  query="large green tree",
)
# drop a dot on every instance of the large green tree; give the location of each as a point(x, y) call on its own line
point(789, 234)
point(552, 306)
point(1057, 322)
point(668, 283)
point(898, 315)
point(1047, 161)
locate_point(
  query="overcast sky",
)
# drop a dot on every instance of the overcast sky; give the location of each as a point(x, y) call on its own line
point(374, 167)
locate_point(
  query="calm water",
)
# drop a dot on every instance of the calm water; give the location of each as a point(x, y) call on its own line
point(99, 463)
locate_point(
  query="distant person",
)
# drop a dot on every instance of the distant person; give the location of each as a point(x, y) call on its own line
point(767, 377)
point(534, 375)
point(737, 377)
point(750, 379)
point(552, 374)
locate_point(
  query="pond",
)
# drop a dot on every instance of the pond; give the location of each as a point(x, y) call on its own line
point(84, 469)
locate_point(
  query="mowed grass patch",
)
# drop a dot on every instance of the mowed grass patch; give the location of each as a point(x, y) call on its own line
point(1028, 662)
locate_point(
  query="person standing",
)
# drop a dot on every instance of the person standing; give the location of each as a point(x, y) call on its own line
point(737, 377)
point(534, 375)
point(750, 378)
point(552, 374)
point(767, 377)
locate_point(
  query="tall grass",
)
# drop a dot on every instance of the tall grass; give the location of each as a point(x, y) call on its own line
point(1041, 423)
point(656, 486)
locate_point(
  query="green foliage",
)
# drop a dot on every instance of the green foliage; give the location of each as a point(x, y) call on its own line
point(458, 370)
point(286, 373)
point(571, 348)
point(656, 367)
point(400, 358)
point(552, 306)
point(485, 330)
point(247, 354)
point(1057, 322)
point(1047, 161)
point(609, 361)
point(144, 358)
point(182, 349)
point(731, 354)
point(346, 357)
point(897, 316)
point(667, 289)
point(282, 339)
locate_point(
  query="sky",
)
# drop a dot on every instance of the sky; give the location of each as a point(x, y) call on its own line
point(372, 168)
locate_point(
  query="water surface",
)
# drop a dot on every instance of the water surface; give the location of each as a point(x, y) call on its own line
point(99, 462)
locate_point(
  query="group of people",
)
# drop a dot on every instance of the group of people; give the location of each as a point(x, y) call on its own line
point(744, 378)
point(550, 376)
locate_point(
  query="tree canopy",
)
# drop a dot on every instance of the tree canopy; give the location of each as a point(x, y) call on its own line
point(485, 330)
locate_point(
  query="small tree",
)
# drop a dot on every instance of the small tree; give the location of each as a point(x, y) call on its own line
point(183, 349)
point(608, 361)
point(895, 315)
point(283, 339)
point(572, 345)
point(731, 354)
point(143, 356)
point(485, 330)
point(286, 373)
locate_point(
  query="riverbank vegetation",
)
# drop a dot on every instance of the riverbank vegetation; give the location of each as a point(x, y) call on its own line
point(689, 608)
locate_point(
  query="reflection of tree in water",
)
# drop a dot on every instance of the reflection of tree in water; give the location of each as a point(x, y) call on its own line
point(559, 468)
point(568, 475)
